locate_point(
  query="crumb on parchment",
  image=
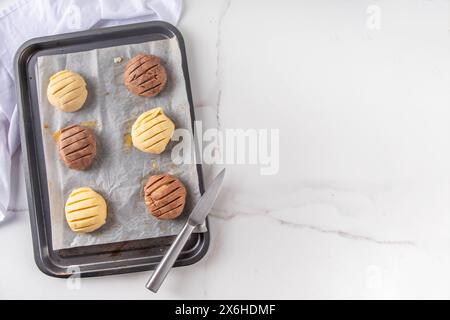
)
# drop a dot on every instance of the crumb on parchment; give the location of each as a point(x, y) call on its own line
point(118, 59)
point(89, 124)
point(56, 135)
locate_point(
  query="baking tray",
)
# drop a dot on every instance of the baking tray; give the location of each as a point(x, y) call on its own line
point(96, 260)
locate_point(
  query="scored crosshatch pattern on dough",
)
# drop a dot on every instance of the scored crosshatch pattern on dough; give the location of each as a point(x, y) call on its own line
point(145, 75)
point(77, 147)
point(85, 210)
point(152, 131)
point(165, 196)
point(67, 91)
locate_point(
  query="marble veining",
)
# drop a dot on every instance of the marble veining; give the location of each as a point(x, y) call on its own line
point(225, 215)
point(226, 7)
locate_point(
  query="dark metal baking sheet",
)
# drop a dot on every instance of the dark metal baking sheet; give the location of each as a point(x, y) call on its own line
point(97, 260)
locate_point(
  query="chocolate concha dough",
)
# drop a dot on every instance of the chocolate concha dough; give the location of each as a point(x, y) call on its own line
point(165, 196)
point(77, 147)
point(145, 75)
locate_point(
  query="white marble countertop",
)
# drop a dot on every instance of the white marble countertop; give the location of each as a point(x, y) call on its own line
point(360, 207)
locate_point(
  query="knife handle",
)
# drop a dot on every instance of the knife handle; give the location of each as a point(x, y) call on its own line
point(169, 258)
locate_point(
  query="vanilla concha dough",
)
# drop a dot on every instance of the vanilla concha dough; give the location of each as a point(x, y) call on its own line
point(67, 91)
point(152, 131)
point(85, 210)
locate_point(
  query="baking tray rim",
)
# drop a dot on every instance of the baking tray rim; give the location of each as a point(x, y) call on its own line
point(40, 239)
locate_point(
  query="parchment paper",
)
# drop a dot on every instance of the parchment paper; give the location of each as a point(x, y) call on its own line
point(120, 170)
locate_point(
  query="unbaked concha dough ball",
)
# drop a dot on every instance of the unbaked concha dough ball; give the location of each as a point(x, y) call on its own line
point(85, 210)
point(145, 75)
point(165, 196)
point(67, 91)
point(77, 147)
point(152, 131)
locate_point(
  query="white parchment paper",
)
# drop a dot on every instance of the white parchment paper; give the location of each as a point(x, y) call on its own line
point(120, 170)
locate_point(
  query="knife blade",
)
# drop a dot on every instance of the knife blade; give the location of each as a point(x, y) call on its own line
point(197, 217)
point(206, 202)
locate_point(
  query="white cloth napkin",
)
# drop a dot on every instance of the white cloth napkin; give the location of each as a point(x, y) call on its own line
point(28, 19)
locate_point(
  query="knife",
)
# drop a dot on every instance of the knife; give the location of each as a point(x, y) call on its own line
point(196, 218)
